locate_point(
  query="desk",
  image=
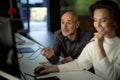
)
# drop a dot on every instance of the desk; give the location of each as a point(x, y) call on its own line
point(74, 75)
point(8, 76)
point(30, 61)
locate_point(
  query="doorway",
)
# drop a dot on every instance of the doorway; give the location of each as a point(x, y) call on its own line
point(38, 19)
point(33, 14)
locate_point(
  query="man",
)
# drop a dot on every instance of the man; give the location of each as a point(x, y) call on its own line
point(69, 41)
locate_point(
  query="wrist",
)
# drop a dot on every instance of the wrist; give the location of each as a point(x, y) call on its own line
point(54, 69)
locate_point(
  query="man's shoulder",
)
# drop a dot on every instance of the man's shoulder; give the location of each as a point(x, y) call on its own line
point(84, 35)
point(85, 32)
point(58, 33)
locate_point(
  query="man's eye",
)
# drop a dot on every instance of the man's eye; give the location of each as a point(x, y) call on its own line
point(69, 22)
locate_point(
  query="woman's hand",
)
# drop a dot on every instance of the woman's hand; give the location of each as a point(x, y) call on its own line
point(98, 37)
point(47, 69)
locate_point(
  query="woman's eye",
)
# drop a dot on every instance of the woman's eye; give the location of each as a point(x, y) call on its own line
point(94, 20)
point(103, 20)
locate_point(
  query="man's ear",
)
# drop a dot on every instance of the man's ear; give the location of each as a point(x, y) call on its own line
point(77, 27)
point(78, 24)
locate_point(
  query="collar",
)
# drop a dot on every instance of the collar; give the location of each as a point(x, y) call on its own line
point(76, 38)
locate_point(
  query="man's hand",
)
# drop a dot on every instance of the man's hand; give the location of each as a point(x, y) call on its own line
point(67, 59)
point(47, 52)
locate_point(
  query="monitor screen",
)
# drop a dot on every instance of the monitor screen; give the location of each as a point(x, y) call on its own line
point(31, 1)
point(8, 55)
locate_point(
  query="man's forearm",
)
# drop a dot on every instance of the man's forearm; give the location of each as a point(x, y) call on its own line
point(53, 59)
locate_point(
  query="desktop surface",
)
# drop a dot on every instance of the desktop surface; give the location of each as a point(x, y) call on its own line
point(29, 61)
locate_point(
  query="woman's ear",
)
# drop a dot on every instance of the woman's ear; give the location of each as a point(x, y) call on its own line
point(115, 25)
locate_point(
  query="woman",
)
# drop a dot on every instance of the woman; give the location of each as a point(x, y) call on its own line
point(103, 52)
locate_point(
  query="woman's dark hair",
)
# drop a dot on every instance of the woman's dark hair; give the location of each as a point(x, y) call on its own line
point(113, 9)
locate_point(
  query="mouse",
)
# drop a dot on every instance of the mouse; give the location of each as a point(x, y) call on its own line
point(37, 72)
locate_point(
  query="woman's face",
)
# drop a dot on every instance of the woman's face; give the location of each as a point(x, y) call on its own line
point(103, 22)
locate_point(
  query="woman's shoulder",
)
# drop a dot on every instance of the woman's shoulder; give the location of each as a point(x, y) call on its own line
point(90, 44)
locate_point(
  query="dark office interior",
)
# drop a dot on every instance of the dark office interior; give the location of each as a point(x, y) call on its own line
point(23, 11)
point(25, 19)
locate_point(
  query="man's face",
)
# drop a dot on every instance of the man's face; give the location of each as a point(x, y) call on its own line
point(69, 24)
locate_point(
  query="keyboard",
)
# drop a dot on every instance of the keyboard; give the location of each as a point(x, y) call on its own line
point(25, 50)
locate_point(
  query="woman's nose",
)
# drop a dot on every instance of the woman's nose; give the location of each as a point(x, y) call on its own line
point(98, 24)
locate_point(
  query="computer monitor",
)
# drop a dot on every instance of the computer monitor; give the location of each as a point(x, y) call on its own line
point(32, 1)
point(8, 56)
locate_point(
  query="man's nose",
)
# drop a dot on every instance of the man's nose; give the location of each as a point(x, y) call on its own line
point(65, 25)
